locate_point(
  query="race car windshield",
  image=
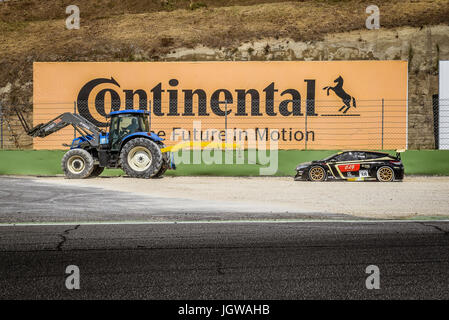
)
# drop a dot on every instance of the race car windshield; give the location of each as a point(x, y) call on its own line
point(330, 157)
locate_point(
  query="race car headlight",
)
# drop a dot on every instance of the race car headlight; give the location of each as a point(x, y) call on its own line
point(300, 167)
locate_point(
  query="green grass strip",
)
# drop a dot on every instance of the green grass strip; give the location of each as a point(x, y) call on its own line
point(48, 163)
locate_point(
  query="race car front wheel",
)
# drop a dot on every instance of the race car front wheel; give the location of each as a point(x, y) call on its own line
point(385, 174)
point(317, 174)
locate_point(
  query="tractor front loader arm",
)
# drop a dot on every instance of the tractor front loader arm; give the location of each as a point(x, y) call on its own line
point(80, 124)
point(45, 129)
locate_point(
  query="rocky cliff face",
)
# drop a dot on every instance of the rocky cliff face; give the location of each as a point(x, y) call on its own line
point(422, 47)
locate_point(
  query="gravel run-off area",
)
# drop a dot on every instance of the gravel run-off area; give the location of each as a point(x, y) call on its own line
point(415, 196)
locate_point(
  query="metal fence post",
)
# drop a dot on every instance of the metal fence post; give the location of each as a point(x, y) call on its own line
point(305, 124)
point(74, 111)
point(149, 114)
point(1, 126)
point(226, 121)
point(383, 123)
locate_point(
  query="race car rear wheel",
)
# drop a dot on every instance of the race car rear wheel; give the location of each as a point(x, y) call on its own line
point(317, 173)
point(385, 174)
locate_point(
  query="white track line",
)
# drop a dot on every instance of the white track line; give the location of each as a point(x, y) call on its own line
point(94, 223)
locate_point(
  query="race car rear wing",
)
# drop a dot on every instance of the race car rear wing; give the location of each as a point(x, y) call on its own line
point(398, 153)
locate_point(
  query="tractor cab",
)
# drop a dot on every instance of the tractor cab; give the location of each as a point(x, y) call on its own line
point(124, 123)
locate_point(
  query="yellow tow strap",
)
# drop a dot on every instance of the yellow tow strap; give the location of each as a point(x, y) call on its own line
point(200, 145)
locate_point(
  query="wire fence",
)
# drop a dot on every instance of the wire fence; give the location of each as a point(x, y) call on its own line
point(376, 124)
point(1, 126)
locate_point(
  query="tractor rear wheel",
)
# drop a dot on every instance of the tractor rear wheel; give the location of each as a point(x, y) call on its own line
point(141, 158)
point(77, 164)
point(165, 163)
point(96, 171)
point(161, 171)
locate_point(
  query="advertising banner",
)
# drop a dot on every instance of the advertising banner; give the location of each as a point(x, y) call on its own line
point(300, 104)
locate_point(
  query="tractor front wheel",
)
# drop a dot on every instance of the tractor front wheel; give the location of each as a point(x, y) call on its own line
point(77, 164)
point(141, 158)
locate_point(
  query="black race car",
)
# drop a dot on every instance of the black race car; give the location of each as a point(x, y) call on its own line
point(353, 165)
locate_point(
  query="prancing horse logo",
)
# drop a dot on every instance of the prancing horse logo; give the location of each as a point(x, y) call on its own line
point(340, 92)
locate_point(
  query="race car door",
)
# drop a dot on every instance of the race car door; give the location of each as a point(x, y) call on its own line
point(346, 165)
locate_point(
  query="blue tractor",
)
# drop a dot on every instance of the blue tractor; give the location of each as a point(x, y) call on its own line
point(129, 144)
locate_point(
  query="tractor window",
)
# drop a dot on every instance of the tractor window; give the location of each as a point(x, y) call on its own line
point(144, 124)
point(113, 129)
point(124, 125)
point(131, 124)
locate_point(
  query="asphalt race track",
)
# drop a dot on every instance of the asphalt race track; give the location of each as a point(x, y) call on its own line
point(226, 260)
point(130, 253)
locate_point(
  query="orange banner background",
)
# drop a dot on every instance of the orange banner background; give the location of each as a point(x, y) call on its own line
point(369, 123)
